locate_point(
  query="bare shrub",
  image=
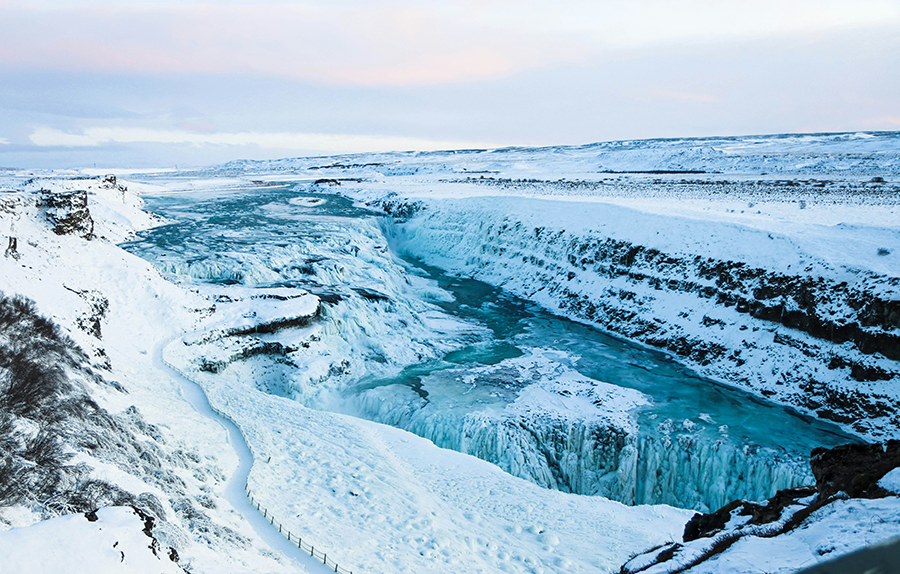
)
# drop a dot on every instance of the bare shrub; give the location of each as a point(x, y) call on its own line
point(45, 411)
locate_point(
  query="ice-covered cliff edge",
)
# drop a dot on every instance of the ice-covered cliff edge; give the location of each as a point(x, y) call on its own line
point(809, 316)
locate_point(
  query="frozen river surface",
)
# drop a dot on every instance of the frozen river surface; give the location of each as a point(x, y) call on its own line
point(469, 366)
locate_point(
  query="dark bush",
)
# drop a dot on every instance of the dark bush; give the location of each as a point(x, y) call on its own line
point(93, 494)
point(31, 385)
point(44, 411)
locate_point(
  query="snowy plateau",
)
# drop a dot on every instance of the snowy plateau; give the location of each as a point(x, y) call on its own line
point(639, 356)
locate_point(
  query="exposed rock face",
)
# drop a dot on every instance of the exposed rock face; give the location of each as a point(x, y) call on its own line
point(274, 326)
point(707, 525)
point(800, 302)
point(850, 470)
point(815, 338)
point(854, 468)
point(12, 249)
point(68, 213)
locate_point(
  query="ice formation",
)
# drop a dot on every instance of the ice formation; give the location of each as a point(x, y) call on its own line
point(376, 346)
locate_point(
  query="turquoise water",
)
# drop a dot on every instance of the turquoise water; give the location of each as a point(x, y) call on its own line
point(677, 392)
point(696, 444)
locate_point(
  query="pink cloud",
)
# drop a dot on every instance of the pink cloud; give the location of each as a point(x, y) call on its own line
point(359, 46)
point(393, 42)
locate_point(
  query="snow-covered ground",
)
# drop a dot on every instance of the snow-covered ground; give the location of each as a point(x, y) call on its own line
point(670, 243)
point(65, 275)
point(112, 540)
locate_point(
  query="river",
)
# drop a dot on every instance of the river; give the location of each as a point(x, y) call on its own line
point(472, 367)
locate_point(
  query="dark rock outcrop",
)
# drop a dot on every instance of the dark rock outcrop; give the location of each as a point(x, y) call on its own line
point(849, 470)
point(12, 249)
point(707, 525)
point(68, 213)
point(275, 325)
point(854, 468)
point(371, 294)
point(400, 209)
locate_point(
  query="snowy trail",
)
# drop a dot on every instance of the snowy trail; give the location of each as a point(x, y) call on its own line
point(234, 490)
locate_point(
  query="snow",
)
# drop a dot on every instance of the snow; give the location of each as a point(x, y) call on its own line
point(559, 390)
point(775, 157)
point(144, 310)
point(381, 499)
point(350, 475)
point(839, 528)
point(246, 310)
point(891, 481)
point(464, 237)
point(113, 542)
point(526, 244)
point(236, 488)
point(330, 364)
point(459, 513)
point(413, 507)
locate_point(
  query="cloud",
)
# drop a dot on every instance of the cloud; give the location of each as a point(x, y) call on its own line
point(655, 22)
point(882, 121)
point(342, 44)
point(395, 42)
point(4, 141)
point(336, 143)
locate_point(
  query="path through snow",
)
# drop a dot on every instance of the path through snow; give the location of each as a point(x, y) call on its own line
point(235, 491)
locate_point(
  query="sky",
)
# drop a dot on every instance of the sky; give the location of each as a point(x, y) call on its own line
point(159, 83)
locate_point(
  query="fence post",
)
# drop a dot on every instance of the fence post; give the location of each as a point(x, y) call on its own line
point(311, 550)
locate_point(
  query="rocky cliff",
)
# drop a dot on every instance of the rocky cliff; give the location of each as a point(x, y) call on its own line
point(751, 307)
point(68, 213)
point(850, 479)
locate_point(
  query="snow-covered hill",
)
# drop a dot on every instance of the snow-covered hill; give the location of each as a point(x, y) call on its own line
point(133, 439)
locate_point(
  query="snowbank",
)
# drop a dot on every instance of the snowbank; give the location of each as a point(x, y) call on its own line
point(111, 540)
